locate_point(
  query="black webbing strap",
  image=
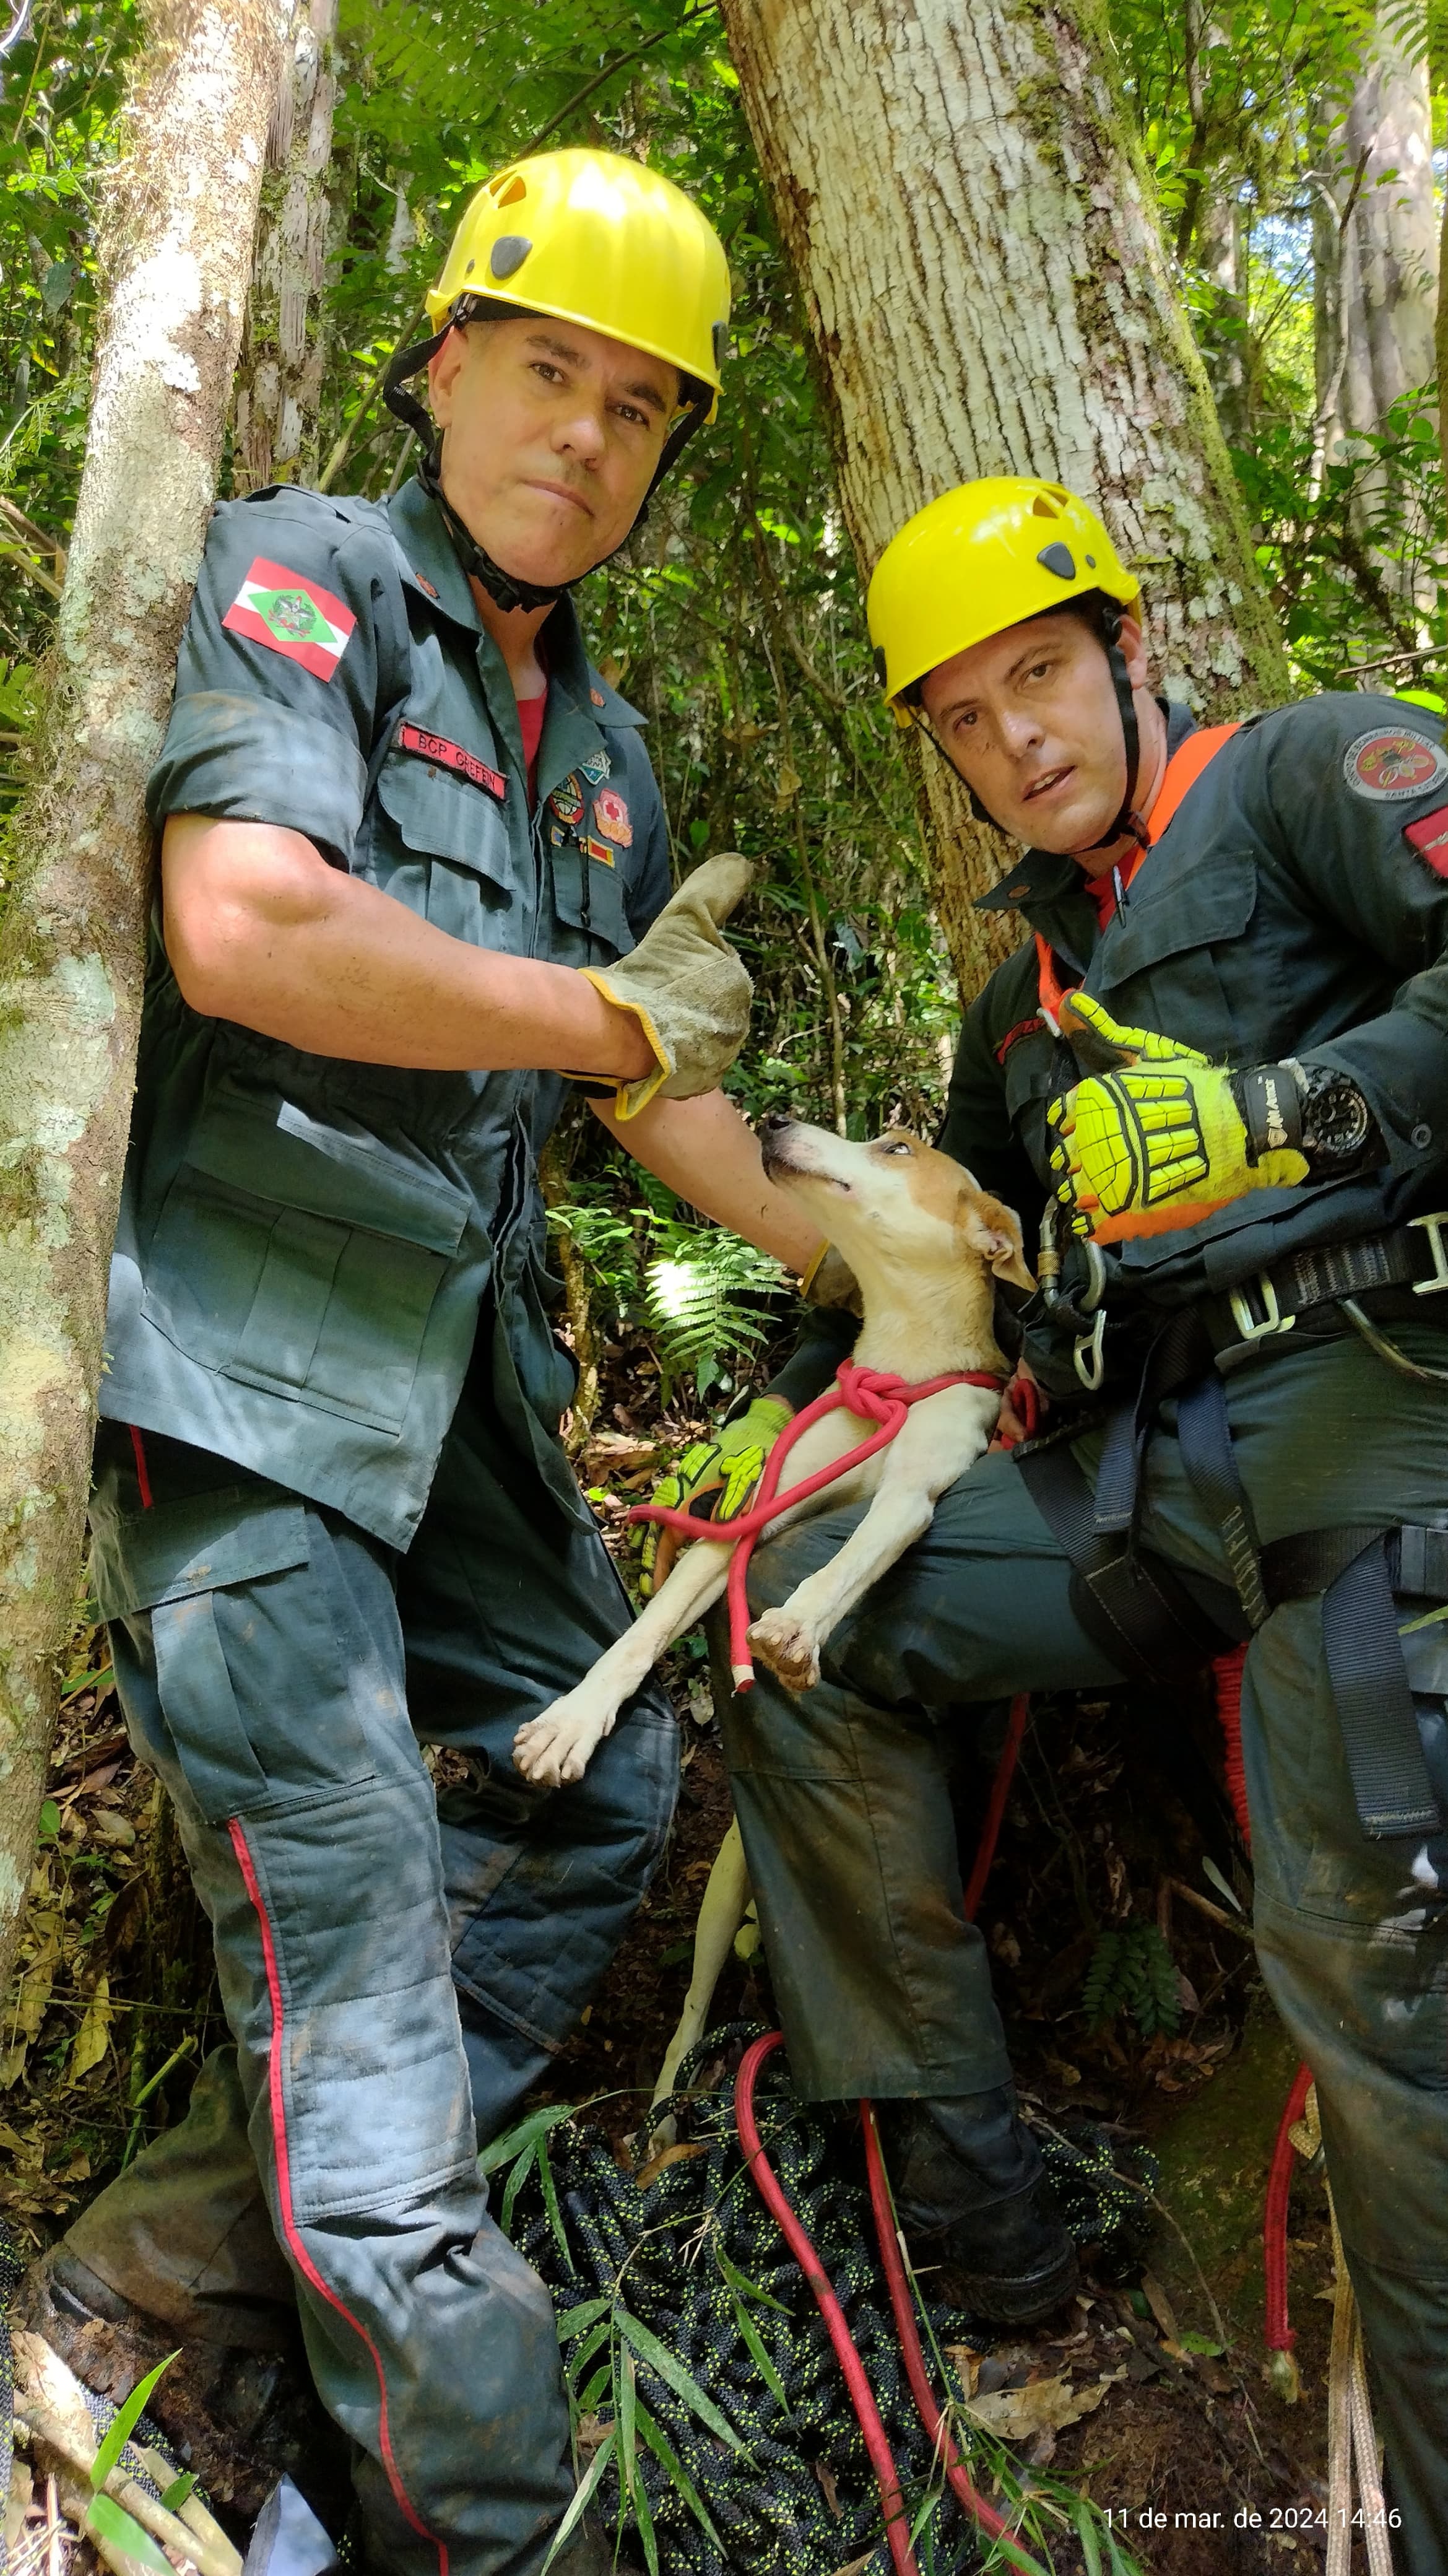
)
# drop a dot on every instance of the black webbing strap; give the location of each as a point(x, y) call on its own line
point(1204, 1432)
point(1176, 1358)
point(1357, 1570)
point(1129, 1601)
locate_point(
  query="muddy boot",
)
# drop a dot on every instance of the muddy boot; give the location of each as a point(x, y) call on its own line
point(969, 2182)
point(240, 2419)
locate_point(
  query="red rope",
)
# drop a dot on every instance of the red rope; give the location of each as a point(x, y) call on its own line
point(928, 2407)
point(138, 1449)
point(887, 2476)
point(874, 1395)
point(999, 1792)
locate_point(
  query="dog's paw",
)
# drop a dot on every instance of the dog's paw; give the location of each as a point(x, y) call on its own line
point(555, 1748)
point(788, 1646)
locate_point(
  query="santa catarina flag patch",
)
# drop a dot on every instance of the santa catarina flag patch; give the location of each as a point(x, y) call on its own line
point(291, 614)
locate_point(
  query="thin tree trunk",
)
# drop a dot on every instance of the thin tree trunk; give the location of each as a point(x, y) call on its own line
point(279, 379)
point(1375, 248)
point(178, 236)
point(987, 292)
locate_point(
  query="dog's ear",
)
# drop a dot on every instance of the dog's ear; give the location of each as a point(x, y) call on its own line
point(995, 1232)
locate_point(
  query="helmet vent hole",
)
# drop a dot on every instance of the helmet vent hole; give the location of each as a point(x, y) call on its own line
point(1043, 509)
point(508, 254)
point(505, 178)
point(514, 195)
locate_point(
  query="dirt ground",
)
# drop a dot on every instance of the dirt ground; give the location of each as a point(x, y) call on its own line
point(1110, 1823)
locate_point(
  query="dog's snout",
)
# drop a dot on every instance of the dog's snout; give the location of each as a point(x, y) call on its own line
point(775, 1122)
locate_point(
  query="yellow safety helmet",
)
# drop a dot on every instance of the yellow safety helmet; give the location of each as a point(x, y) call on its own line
point(594, 238)
point(980, 559)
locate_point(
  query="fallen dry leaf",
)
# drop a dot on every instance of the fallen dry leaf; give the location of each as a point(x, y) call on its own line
point(93, 2037)
point(1161, 2307)
point(1018, 2414)
point(666, 2156)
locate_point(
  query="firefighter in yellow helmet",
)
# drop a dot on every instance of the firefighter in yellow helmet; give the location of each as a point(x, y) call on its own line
point(416, 875)
point(1217, 1076)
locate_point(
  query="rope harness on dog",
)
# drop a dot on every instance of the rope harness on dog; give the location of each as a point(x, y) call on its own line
point(874, 1395)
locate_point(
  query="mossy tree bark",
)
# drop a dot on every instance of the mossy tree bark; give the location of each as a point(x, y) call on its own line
point(986, 290)
point(177, 251)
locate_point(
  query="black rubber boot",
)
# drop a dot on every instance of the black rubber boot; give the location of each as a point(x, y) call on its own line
point(240, 2419)
point(970, 2184)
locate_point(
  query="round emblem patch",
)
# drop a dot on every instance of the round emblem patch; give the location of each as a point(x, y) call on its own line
point(1390, 767)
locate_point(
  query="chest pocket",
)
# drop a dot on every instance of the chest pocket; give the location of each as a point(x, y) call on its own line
point(466, 883)
point(1167, 960)
point(589, 914)
point(301, 1259)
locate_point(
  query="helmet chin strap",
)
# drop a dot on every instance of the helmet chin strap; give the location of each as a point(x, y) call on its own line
point(509, 590)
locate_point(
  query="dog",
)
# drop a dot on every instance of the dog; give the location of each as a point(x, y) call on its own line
point(926, 1245)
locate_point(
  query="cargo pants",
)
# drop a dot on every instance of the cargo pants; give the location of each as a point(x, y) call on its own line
point(842, 1799)
point(396, 1969)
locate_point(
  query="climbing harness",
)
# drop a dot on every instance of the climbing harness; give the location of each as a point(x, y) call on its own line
point(873, 1395)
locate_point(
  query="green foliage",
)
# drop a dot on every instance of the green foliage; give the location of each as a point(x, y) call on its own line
point(1132, 1971)
point(696, 1290)
point(124, 2422)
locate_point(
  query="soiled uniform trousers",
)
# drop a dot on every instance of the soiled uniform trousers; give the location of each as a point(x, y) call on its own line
point(392, 1982)
point(842, 1798)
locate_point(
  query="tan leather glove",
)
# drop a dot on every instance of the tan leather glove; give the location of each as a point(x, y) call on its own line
point(686, 987)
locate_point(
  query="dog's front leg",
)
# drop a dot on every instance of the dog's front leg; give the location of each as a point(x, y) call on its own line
point(938, 1440)
point(556, 1746)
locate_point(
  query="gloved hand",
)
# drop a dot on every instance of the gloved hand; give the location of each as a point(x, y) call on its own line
point(1166, 1130)
point(829, 1281)
point(686, 986)
point(729, 1465)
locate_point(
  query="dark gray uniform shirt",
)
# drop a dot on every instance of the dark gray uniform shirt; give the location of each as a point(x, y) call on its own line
point(305, 1243)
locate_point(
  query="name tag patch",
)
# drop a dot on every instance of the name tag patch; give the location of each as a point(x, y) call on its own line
point(292, 615)
point(1388, 768)
point(443, 754)
point(1429, 837)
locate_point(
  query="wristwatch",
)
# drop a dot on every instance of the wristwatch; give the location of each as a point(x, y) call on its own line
point(1337, 1125)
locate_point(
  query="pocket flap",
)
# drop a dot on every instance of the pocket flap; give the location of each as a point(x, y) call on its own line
point(446, 817)
point(198, 1544)
point(1217, 902)
point(589, 896)
point(279, 1152)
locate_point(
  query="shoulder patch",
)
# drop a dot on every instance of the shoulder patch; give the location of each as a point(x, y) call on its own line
point(291, 614)
point(1429, 837)
point(1388, 768)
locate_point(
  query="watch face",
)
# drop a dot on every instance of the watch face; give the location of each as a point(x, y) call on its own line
point(1336, 1118)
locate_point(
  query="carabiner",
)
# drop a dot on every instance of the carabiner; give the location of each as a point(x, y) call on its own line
point(1089, 1356)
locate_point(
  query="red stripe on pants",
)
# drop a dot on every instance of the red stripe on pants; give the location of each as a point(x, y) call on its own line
point(295, 2246)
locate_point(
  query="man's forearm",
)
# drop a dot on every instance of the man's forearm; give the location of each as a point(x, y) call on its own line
point(260, 930)
point(707, 1152)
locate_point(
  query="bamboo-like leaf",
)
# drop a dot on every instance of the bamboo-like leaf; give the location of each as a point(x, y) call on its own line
point(573, 2320)
point(625, 2410)
point(658, 2441)
point(675, 2376)
point(550, 2202)
point(644, 2521)
point(178, 2491)
point(583, 2496)
point(525, 2133)
point(515, 2182)
point(126, 2419)
point(1090, 2545)
point(762, 2362)
point(741, 2284)
point(110, 2521)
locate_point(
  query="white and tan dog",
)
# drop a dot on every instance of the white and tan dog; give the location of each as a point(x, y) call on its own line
point(926, 1245)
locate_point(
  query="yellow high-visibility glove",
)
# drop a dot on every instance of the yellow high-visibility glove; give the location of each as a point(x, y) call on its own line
point(729, 1464)
point(1165, 1135)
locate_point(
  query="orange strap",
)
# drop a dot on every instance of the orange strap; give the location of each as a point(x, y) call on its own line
point(1182, 772)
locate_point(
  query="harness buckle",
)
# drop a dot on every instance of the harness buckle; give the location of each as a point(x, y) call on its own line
point(1433, 1226)
point(1089, 1356)
point(1256, 1328)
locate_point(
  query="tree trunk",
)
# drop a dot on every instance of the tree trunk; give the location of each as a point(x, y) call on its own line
point(986, 289)
point(178, 237)
point(1375, 250)
point(279, 380)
